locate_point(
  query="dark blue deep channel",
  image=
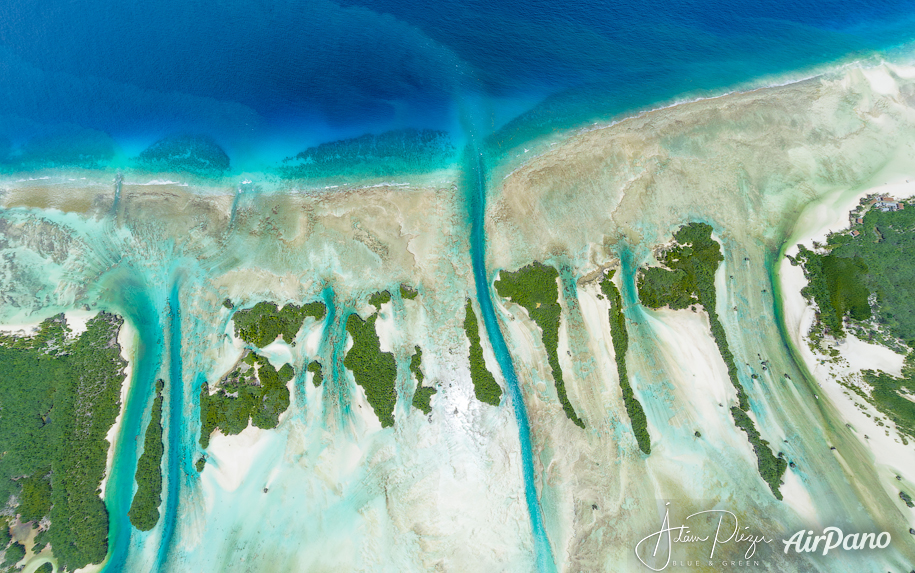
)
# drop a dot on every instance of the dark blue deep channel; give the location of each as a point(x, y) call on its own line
point(476, 198)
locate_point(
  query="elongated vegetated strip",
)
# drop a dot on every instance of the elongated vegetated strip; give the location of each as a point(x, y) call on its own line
point(422, 397)
point(534, 287)
point(620, 340)
point(374, 370)
point(144, 511)
point(693, 261)
point(484, 384)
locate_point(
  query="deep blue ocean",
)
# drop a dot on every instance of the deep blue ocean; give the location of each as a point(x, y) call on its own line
point(95, 83)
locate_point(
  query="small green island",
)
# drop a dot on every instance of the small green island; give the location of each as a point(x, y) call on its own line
point(485, 387)
point(620, 339)
point(534, 288)
point(264, 323)
point(422, 396)
point(60, 395)
point(689, 279)
point(254, 392)
point(144, 511)
point(374, 370)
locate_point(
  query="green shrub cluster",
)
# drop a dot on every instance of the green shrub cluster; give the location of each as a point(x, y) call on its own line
point(255, 392)
point(408, 292)
point(374, 370)
point(144, 511)
point(14, 554)
point(45, 567)
point(263, 323)
point(692, 262)
point(315, 368)
point(200, 463)
point(379, 298)
point(59, 397)
point(35, 499)
point(484, 384)
point(534, 287)
point(890, 396)
point(422, 397)
point(620, 340)
point(906, 499)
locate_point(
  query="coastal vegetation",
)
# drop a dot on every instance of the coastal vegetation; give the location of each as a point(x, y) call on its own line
point(863, 282)
point(254, 392)
point(422, 396)
point(620, 338)
point(485, 386)
point(374, 370)
point(534, 288)
point(379, 298)
point(315, 368)
point(688, 279)
point(144, 511)
point(408, 292)
point(263, 323)
point(60, 394)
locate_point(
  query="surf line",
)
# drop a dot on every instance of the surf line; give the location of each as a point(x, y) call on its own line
point(476, 198)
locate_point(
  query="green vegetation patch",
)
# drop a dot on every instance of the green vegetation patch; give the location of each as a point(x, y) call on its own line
point(422, 397)
point(408, 292)
point(59, 397)
point(534, 287)
point(315, 368)
point(374, 370)
point(45, 567)
point(484, 384)
point(690, 279)
point(253, 392)
point(144, 511)
point(892, 397)
point(14, 554)
point(263, 323)
point(620, 345)
point(877, 262)
point(837, 285)
point(379, 298)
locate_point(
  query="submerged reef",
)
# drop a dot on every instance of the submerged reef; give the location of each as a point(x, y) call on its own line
point(620, 339)
point(144, 511)
point(534, 288)
point(484, 384)
point(369, 155)
point(60, 395)
point(690, 279)
point(197, 154)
